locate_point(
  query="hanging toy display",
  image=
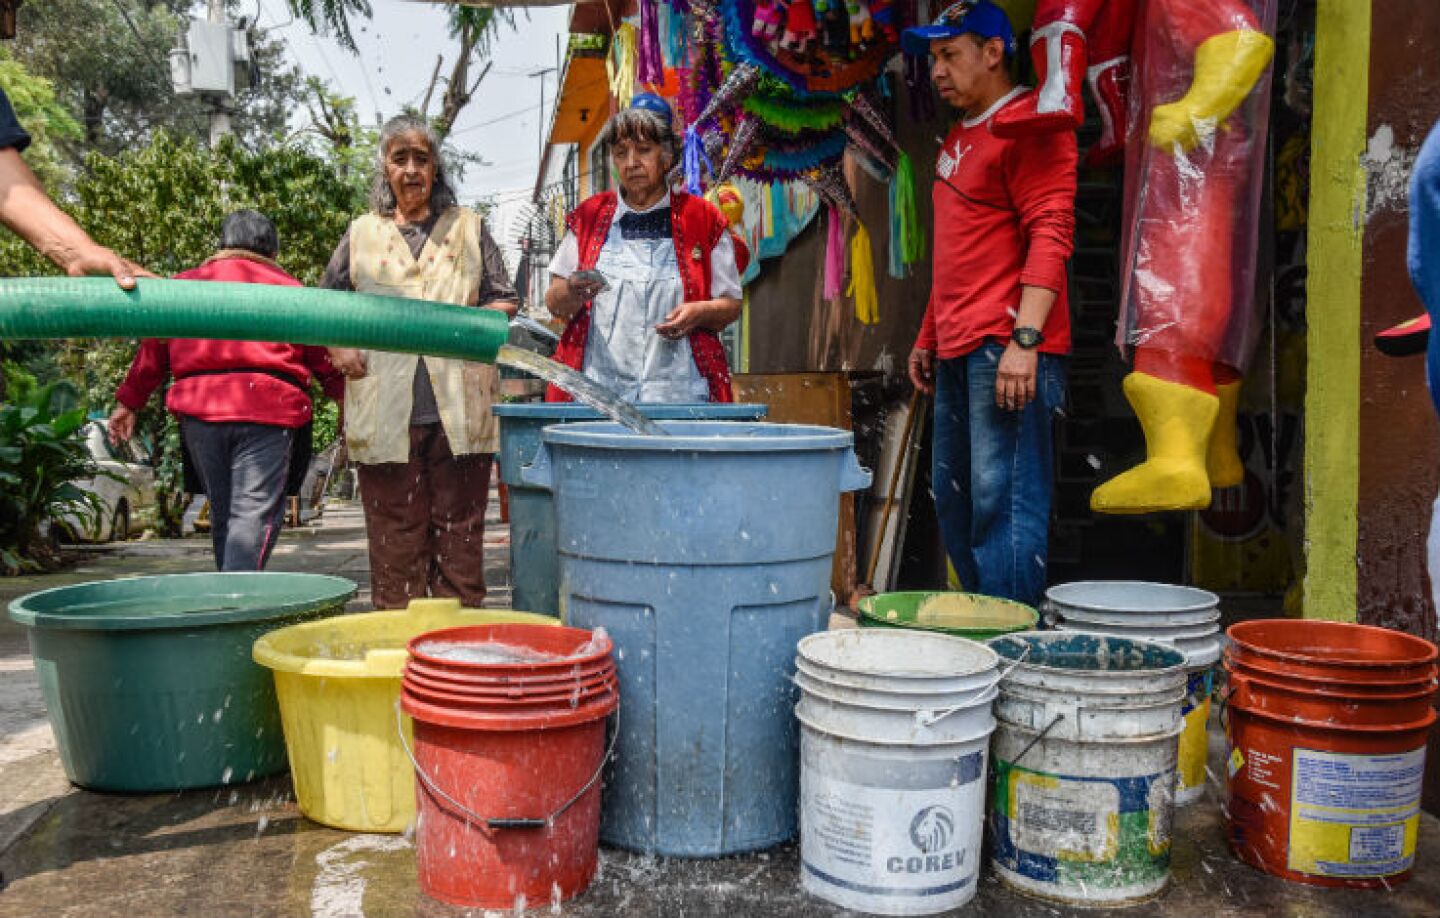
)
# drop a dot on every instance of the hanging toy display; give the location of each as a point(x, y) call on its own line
point(774, 91)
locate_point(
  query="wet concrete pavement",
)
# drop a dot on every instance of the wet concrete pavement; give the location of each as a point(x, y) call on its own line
point(247, 850)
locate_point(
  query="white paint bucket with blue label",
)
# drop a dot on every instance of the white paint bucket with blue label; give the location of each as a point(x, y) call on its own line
point(892, 774)
point(1085, 756)
point(891, 829)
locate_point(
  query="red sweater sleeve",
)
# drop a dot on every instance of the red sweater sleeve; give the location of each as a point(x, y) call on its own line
point(331, 379)
point(147, 372)
point(1040, 172)
point(928, 341)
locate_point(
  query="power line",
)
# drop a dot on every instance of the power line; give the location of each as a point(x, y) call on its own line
point(516, 113)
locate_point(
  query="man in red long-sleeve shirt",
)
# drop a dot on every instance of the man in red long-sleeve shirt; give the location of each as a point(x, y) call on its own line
point(244, 406)
point(993, 341)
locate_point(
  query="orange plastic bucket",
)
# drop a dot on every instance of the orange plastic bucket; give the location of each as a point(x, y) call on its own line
point(1327, 743)
point(1333, 651)
point(507, 794)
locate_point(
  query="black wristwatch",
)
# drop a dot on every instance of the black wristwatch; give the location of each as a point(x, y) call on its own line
point(1027, 337)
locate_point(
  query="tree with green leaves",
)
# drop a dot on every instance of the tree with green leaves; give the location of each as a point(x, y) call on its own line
point(48, 122)
point(108, 62)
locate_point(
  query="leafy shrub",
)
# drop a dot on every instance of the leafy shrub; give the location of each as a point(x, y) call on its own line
point(42, 455)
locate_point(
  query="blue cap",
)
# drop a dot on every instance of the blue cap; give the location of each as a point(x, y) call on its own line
point(650, 102)
point(974, 17)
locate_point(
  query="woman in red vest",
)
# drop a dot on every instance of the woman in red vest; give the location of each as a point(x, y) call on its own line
point(646, 277)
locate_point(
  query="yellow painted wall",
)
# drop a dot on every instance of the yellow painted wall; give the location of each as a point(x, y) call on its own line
point(1337, 228)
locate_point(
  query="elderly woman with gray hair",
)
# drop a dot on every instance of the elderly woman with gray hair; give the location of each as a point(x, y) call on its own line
point(647, 276)
point(420, 428)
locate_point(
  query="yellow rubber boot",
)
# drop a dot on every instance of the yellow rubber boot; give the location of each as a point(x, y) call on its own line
point(1223, 462)
point(1177, 421)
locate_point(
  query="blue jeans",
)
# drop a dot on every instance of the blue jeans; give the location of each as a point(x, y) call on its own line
point(993, 474)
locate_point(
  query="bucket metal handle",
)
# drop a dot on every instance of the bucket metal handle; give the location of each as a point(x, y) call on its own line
point(510, 822)
point(1038, 737)
point(931, 718)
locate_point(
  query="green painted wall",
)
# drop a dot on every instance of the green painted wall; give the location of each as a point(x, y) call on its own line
point(1337, 227)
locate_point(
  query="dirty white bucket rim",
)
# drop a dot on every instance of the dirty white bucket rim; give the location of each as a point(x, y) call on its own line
point(906, 701)
point(809, 724)
point(1201, 652)
point(1131, 596)
point(1143, 632)
point(1169, 661)
point(979, 700)
point(1139, 619)
point(879, 682)
point(874, 652)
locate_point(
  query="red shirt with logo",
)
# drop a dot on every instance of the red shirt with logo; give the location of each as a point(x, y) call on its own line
point(1004, 219)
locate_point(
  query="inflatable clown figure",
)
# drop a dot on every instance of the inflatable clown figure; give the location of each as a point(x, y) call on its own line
point(1185, 84)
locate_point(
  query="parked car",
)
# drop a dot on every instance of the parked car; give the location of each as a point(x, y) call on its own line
point(125, 486)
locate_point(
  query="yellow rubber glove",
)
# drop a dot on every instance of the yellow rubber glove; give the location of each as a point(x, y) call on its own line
point(1226, 68)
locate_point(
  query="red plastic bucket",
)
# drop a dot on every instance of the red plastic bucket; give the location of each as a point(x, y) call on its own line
point(1327, 749)
point(458, 673)
point(502, 693)
point(564, 645)
point(460, 702)
point(508, 795)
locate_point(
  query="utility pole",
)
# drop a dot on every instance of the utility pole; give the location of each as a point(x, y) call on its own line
point(220, 114)
point(542, 74)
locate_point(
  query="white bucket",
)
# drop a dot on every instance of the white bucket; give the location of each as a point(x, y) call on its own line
point(1126, 599)
point(891, 830)
point(895, 661)
point(894, 740)
point(925, 726)
point(1084, 770)
point(1184, 617)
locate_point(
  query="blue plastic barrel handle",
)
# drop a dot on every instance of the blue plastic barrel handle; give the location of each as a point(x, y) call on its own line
point(852, 476)
point(539, 473)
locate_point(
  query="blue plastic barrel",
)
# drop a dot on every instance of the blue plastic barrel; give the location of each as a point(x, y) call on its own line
point(706, 555)
point(534, 567)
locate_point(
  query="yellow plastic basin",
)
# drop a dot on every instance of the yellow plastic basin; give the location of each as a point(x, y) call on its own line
point(338, 681)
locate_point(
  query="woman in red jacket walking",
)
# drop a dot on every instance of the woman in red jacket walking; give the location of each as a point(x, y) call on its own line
point(244, 406)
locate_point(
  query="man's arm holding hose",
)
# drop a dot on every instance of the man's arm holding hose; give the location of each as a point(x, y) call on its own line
point(29, 212)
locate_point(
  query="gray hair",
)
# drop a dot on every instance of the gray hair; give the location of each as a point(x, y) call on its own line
point(382, 196)
point(641, 124)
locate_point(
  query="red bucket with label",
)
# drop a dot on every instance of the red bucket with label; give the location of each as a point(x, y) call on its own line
point(1327, 728)
point(507, 794)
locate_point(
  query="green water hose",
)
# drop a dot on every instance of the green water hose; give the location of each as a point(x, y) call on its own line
point(73, 307)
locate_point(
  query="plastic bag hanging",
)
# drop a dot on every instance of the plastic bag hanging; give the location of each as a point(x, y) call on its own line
point(651, 69)
point(907, 238)
point(696, 161)
point(620, 66)
point(862, 277)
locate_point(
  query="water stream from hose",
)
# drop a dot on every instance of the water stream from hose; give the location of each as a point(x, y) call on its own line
point(581, 387)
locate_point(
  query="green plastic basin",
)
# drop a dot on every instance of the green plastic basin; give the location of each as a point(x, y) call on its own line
point(972, 616)
point(149, 682)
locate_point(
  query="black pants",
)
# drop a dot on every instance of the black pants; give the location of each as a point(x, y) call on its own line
point(243, 467)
